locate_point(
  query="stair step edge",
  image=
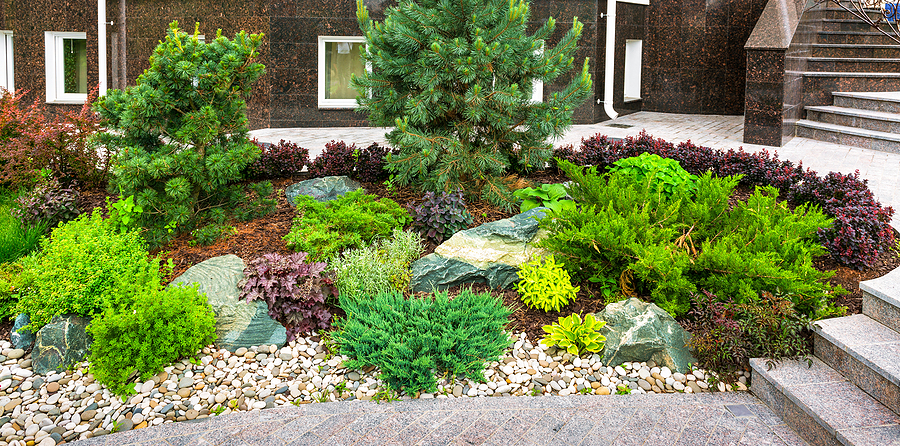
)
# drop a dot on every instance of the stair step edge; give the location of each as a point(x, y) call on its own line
point(849, 130)
point(844, 333)
point(856, 112)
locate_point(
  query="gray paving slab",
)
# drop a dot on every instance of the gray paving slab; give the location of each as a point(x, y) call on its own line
point(715, 131)
point(710, 419)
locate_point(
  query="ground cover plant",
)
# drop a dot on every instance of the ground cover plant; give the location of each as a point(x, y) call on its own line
point(355, 218)
point(413, 339)
point(181, 131)
point(460, 98)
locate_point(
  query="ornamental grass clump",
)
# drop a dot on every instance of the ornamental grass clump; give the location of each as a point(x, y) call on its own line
point(380, 267)
point(414, 339)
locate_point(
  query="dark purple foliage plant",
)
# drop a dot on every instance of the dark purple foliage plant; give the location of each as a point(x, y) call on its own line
point(49, 203)
point(284, 159)
point(295, 291)
point(338, 158)
point(438, 217)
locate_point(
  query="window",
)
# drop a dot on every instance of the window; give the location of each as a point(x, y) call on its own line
point(633, 50)
point(66, 63)
point(339, 58)
point(6, 61)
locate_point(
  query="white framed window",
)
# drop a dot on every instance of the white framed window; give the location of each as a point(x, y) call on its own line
point(339, 58)
point(66, 67)
point(6, 61)
point(633, 51)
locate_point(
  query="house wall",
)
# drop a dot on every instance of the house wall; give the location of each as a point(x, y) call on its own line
point(694, 59)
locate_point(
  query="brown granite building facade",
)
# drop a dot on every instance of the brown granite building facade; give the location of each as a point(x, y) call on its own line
point(679, 56)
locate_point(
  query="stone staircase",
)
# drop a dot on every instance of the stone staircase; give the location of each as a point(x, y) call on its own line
point(850, 393)
point(848, 71)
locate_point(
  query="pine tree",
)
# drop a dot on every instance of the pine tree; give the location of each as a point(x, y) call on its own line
point(181, 132)
point(454, 77)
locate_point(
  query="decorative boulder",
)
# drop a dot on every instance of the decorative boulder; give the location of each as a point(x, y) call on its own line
point(238, 323)
point(20, 337)
point(640, 331)
point(61, 343)
point(490, 253)
point(322, 189)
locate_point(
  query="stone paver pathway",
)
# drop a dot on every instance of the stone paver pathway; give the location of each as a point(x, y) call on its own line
point(710, 419)
point(719, 132)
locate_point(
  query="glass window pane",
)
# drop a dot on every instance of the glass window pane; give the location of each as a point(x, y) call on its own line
point(342, 59)
point(74, 65)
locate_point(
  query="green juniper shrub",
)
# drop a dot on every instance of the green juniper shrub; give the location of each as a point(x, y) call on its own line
point(380, 267)
point(155, 328)
point(181, 131)
point(545, 284)
point(351, 220)
point(82, 263)
point(663, 173)
point(48, 203)
point(412, 339)
point(460, 99)
point(575, 335)
point(438, 217)
point(670, 246)
point(295, 291)
point(211, 233)
point(550, 196)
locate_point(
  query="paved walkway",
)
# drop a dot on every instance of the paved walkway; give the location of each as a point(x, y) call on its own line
point(719, 132)
point(672, 419)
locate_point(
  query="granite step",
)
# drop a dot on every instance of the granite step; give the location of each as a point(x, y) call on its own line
point(849, 136)
point(833, 12)
point(882, 102)
point(845, 24)
point(881, 299)
point(823, 407)
point(854, 117)
point(871, 36)
point(853, 50)
point(865, 352)
point(862, 64)
point(818, 86)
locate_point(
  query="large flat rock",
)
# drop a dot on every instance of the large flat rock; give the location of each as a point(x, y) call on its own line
point(238, 323)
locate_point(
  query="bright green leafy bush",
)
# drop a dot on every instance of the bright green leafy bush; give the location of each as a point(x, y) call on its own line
point(155, 327)
point(351, 220)
point(657, 172)
point(80, 265)
point(412, 340)
point(454, 80)
point(574, 335)
point(380, 267)
point(545, 284)
point(181, 131)
point(550, 196)
point(673, 246)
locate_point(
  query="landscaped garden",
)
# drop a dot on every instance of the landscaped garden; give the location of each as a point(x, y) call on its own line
point(104, 208)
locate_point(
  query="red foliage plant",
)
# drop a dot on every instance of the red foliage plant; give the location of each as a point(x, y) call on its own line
point(63, 144)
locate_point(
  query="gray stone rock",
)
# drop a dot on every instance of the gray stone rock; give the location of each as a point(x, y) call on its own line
point(322, 189)
point(490, 253)
point(20, 337)
point(61, 343)
point(238, 323)
point(640, 331)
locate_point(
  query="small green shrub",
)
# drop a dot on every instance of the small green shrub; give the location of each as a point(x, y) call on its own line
point(574, 335)
point(124, 214)
point(411, 340)
point(82, 263)
point(658, 173)
point(10, 279)
point(211, 233)
point(545, 284)
point(670, 246)
point(550, 196)
point(351, 220)
point(379, 268)
point(156, 328)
